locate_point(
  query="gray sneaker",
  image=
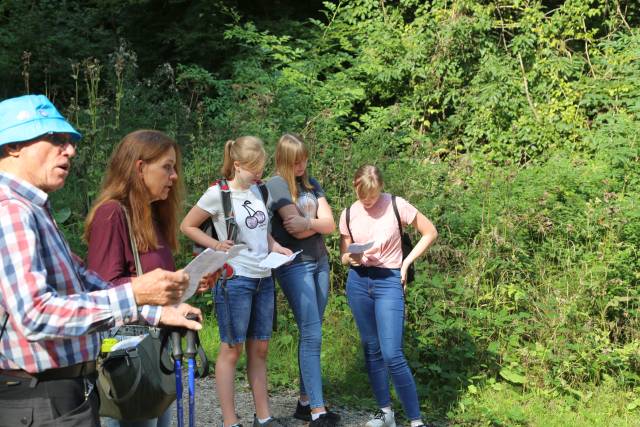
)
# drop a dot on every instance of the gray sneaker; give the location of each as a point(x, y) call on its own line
point(382, 419)
point(271, 422)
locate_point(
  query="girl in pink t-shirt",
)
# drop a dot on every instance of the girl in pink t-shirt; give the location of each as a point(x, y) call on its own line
point(375, 287)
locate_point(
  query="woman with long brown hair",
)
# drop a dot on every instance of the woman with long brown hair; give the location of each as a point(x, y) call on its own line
point(142, 182)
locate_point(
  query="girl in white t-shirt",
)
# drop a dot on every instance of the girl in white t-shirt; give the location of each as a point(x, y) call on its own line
point(244, 304)
point(375, 288)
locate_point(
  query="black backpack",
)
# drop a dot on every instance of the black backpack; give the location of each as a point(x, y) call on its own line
point(405, 240)
point(229, 216)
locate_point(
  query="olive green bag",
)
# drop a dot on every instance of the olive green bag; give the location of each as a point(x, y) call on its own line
point(137, 383)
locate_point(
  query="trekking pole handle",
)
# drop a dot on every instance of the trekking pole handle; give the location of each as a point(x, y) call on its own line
point(191, 335)
point(176, 344)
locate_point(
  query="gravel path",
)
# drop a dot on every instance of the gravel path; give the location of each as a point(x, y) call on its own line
point(282, 405)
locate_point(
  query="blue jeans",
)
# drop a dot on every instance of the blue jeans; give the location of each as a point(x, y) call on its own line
point(306, 286)
point(376, 299)
point(163, 421)
point(245, 309)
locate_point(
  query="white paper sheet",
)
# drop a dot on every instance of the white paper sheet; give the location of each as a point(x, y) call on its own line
point(358, 248)
point(236, 249)
point(275, 260)
point(207, 262)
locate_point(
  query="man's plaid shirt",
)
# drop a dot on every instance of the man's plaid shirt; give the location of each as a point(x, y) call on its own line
point(56, 306)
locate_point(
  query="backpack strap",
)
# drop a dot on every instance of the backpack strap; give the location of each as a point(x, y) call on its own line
point(225, 193)
point(348, 218)
point(4, 323)
point(264, 192)
point(227, 208)
point(395, 211)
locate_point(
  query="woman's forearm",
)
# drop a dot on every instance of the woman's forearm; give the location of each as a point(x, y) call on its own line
point(421, 247)
point(322, 225)
point(429, 235)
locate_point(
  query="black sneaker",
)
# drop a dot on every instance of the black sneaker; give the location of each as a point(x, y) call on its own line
point(303, 412)
point(333, 415)
point(324, 420)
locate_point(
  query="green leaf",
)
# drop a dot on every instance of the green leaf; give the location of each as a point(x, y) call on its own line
point(62, 215)
point(512, 377)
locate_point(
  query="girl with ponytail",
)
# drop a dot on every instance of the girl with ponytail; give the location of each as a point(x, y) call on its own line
point(244, 302)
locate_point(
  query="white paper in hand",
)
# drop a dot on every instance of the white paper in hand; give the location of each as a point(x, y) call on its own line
point(207, 262)
point(275, 260)
point(236, 249)
point(358, 248)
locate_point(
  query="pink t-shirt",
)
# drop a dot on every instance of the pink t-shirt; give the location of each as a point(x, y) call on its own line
point(379, 225)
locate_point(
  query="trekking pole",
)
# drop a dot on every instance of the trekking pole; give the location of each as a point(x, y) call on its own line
point(190, 354)
point(176, 344)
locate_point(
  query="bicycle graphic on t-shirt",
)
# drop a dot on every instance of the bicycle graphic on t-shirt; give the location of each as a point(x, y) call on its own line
point(255, 218)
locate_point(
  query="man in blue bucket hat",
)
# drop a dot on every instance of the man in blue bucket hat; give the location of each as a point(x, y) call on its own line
point(52, 308)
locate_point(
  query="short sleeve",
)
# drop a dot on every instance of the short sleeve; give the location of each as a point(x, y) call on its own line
point(211, 201)
point(317, 188)
point(343, 223)
point(406, 210)
point(279, 192)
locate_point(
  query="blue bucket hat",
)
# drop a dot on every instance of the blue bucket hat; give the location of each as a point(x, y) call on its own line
point(30, 116)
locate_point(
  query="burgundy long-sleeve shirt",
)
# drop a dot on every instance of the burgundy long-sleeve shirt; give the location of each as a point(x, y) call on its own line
point(110, 252)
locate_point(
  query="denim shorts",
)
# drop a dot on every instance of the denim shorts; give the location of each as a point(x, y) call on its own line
point(244, 308)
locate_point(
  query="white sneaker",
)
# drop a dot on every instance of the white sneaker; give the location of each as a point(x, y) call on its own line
point(382, 419)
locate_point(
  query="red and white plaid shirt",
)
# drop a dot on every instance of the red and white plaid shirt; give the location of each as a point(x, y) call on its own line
point(56, 306)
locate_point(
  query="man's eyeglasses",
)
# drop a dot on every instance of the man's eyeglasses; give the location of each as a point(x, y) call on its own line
point(59, 139)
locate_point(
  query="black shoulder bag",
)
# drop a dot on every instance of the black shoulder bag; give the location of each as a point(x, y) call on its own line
point(405, 240)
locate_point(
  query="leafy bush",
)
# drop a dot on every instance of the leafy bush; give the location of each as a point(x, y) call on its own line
point(513, 126)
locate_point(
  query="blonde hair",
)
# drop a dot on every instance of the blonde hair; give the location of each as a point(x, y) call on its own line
point(367, 181)
point(289, 151)
point(123, 183)
point(246, 150)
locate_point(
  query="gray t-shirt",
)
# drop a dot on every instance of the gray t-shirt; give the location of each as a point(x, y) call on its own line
point(312, 247)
